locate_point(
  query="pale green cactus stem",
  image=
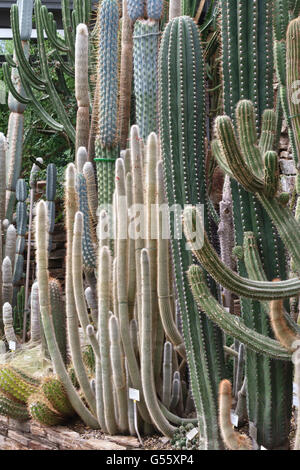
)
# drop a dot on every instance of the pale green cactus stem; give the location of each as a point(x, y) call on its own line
point(207, 256)
point(167, 374)
point(10, 244)
point(77, 270)
point(118, 373)
point(138, 201)
point(175, 393)
point(292, 79)
point(82, 85)
point(35, 326)
point(92, 303)
point(99, 395)
point(81, 158)
point(43, 283)
point(103, 288)
point(125, 75)
point(133, 332)
point(122, 287)
point(115, 287)
point(7, 286)
point(16, 118)
point(130, 403)
point(89, 174)
point(72, 319)
point(8, 325)
point(2, 176)
point(131, 245)
point(149, 390)
point(163, 267)
point(151, 244)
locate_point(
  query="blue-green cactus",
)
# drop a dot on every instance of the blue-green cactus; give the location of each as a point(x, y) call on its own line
point(145, 55)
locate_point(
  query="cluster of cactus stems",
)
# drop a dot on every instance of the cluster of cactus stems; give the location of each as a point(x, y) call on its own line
point(125, 282)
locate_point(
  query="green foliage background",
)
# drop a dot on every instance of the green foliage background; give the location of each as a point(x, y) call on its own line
point(39, 139)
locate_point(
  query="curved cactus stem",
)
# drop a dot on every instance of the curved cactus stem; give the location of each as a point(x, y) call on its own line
point(229, 323)
point(43, 281)
point(207, 256)
point(72, 319)
point(146, 353)
point(122, 263)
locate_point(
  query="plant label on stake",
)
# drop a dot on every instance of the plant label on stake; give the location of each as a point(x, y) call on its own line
point(12, 345)
point(134, 395)
point(191, 434)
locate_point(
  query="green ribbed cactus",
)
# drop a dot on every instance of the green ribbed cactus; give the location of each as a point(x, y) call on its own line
point(184, 170)
point(21, 223)
point(145, 53)
point(50, 196)
point(41, 410)
point(247, 66)
point(135, 9)
point(16, 384)
point(107, 75)
point(13, 409)
point(88, 250)
point(55, 393)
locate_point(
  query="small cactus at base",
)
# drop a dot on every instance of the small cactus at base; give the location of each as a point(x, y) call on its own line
point(41, 410)
point(16, 383)
point(13, 409)
point(55, 393)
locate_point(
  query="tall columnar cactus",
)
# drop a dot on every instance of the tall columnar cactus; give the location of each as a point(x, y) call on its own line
point(35, 324)
point(21, 222)
point(23, 22)
point(125, 75)
point(8, 325)
point(292, 82)
point(107, 75)
point(247, 65)
point(183, 159)
point(135, 9)
point(7, 286)
point(145, 53)
point(50, 196)
point(82, 86)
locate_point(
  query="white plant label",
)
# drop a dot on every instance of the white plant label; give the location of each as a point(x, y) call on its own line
point(263, 448)
point(191, 434)
point(12, 345)
point(134, 394)
point(295, 395)
point(234, 418)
